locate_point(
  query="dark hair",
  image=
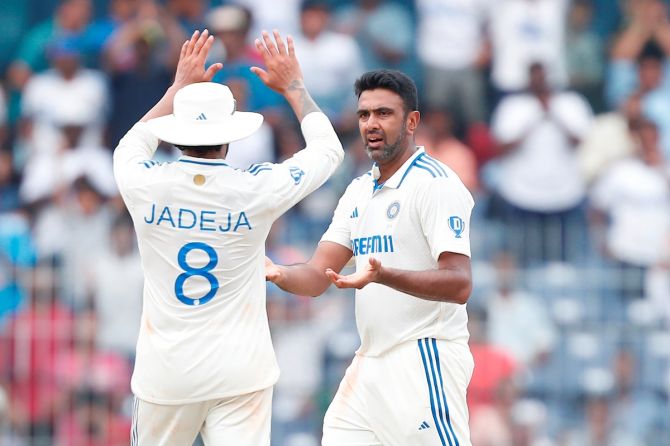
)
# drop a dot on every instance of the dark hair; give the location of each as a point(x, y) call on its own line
point(393, 80)
point(651, 51)
point(314, 4)
point(213, 148)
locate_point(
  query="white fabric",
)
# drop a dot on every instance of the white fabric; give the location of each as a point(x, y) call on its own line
point(240, 420)
point(204, 115)
point(541, 173)
point(450, 32)
point(414, 394)
point(637, 199)
point(195, 235)
point(523, 32)
point(406, 225)
point(51, 101)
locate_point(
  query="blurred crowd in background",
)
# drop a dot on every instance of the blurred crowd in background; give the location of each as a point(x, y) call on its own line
point(554, 113)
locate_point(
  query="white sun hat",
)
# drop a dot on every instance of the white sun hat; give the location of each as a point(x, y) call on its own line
point(204, 115)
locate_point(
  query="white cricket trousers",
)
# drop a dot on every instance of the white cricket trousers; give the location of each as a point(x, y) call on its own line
point(236, 421)
point(415, 394)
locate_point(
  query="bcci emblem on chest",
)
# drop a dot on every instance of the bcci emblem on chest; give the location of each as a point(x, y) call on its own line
point(457, 225)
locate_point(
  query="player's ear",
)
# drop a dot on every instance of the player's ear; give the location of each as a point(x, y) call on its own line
point(412, 121)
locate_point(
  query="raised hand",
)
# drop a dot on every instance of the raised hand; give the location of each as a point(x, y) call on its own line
point(358, 279)
point(282, 68)
point(191, 65)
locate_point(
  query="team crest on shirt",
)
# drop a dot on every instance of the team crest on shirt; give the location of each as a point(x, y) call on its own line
point(457, 225)
point(393, 210)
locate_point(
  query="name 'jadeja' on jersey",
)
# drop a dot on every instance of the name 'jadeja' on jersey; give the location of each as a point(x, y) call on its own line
point(203, 220)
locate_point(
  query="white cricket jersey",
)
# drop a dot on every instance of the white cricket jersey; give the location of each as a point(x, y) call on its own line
point(407, 222)
point(201, 227)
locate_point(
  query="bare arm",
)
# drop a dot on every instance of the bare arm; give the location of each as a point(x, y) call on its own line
point(309, 279)
point(450, 282)
point(283, 73)
point(190, 69)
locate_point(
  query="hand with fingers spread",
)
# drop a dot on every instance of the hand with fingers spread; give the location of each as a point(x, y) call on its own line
point(282, 67)
point(191, 65)
point(282, 73)
point(359, 279)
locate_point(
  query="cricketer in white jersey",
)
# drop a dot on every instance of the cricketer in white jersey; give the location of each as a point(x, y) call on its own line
point(205, 361)
point(406, 224)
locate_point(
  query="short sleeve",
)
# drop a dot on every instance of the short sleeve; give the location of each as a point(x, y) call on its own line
point(339, 230)
point(445, 206)
point(512, 118)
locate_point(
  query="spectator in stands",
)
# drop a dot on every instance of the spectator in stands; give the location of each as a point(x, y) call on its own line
point(327, 77)
point(597, 428)
point(68, 93)
point(98, 34)
point(453, 50)
point(531, 338)
point(17, 257)
point(493, 365)
point(118, 303)
point(29, 347)
point(437, 136)
point(69, 230)
point(523, 32)
point(230, 25)
point(634, 190)
point(92, 421)
point(267, 16)
point(369, 22)
point(639, 411)
point(612, 136)
point(70, 18)
point(538, 182)
point(140, 59)
point(640, 64)
point(584, 54)
point(9, 183)
point(189, 13)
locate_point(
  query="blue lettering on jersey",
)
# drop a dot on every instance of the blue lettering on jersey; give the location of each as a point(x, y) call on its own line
point(202, 220)
point(372, 244)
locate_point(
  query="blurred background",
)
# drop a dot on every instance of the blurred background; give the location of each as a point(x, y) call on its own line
point(554, 113)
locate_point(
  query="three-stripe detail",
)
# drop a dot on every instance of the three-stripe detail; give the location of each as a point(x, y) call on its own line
point(426, 163)
point(255, 169)
point(438, 399)
point(149, 163)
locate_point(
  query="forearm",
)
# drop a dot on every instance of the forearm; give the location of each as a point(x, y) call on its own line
point(299, 99)
point(437, 285)
point(164, 106)
point(302, 279)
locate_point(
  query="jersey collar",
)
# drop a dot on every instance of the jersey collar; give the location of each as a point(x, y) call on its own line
point(201, 161)
point(396, 179)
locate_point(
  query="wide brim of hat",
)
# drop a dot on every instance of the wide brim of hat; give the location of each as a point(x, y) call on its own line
point(205, 133)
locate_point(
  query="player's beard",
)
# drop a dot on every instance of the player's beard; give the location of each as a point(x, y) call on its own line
point(389, 151)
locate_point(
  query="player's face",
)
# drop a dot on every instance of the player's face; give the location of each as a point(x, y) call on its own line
point(382, 122)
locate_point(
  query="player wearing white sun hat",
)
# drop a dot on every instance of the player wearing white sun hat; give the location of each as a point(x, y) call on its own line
point(205, 362)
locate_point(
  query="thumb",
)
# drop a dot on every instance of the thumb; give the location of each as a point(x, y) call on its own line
point(261, 73)
point(374, 263)
point(212, 70)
